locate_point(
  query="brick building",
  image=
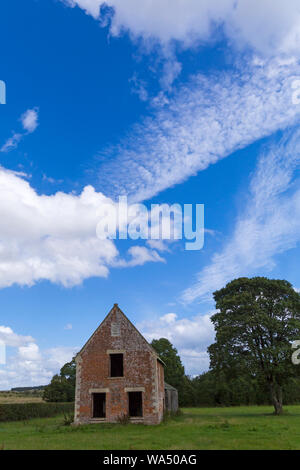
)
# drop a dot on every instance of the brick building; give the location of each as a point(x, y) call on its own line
point(118, 373)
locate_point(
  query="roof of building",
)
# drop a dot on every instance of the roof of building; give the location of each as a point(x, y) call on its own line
point(169, 387)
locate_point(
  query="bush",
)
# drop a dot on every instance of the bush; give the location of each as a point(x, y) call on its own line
point(68, 419)
point(25, 411)
point(123, 419)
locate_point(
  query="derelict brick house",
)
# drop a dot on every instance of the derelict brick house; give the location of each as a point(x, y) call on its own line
point(118, 373)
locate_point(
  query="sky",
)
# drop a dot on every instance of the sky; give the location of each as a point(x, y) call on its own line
point(161, 101)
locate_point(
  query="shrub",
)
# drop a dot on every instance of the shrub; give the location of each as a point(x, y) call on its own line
point(25, 411)
point(123, 419)
point(68, 419)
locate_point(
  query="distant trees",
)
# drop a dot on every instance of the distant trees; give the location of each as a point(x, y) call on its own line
point(174, 370)
point(37, 388)
point(62, 386)
point(215, 389)
point(256, 323)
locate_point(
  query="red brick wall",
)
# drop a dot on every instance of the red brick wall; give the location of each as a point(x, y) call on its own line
point(141, 370)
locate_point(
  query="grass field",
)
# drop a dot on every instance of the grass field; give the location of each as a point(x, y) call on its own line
point(196, 428)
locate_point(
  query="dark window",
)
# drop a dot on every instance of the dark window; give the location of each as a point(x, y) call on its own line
point(116, 365)
point(135, 404)
point(99, 405)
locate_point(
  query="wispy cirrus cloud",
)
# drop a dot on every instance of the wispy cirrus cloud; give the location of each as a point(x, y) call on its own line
point(268, 226)
point(29, 121)
point(207, 120)
point(11, 143)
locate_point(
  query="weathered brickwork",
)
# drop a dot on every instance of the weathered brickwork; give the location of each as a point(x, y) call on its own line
point(143, 372)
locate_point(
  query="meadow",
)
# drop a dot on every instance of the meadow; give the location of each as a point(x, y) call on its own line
point(14, 397)
point(196, 428)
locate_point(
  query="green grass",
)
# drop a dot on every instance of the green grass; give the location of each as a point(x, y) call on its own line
point(197, 428)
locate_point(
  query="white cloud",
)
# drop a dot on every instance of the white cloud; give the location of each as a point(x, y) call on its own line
point(50, 237)
point(30, 120)
point(28, 365)
point(190, 336)
point(11, 143)
point(159, 245)
point(269, 26)
point(206, 121)
point(54, 237)
point(51, 180)
point(30, 352)
point(139, 256)
point(171, 70)
point(169, 318)
point(91, 7)
point(12, 339)
point(58, 356)
point(273, 30)
point(139, 88)
point(68, 326)
point(269, 225)
point(29, 123)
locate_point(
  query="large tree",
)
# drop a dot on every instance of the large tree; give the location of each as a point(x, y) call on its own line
point(256, 322)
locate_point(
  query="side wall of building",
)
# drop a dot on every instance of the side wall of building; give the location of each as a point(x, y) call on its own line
point(161, 390)
point(171, 400)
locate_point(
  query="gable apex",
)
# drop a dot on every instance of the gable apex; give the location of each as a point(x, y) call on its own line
point(116, 310)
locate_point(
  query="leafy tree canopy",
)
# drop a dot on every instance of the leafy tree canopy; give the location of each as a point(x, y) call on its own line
point(174, 370)
point(62, 386)
point(256, 322)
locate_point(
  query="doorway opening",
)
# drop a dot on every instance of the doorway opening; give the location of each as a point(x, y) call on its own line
point(135, 404)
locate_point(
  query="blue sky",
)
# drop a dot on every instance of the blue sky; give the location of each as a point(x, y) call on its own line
point(194, 103)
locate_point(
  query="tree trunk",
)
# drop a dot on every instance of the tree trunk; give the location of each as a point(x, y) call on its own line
point(276, 396)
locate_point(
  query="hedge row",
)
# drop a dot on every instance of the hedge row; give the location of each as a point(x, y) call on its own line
point(25, 411)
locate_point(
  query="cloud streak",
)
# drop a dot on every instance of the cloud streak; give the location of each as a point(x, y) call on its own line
point(207, 120)
point(268, 226)
point(29, 121)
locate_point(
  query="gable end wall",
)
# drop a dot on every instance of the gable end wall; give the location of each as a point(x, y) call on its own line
point(142, 371)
